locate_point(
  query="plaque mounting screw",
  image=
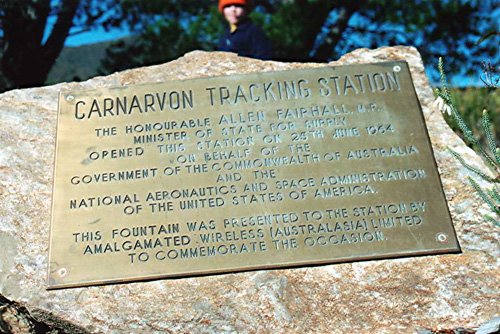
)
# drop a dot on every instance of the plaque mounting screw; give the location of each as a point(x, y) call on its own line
point(396, 68)
point(62, 272)
point(70, 98)
point(442, 237)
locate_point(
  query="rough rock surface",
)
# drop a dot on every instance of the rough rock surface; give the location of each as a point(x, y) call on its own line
point(388, 296)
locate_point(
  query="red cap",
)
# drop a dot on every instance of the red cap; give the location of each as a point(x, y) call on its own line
point(225, 3)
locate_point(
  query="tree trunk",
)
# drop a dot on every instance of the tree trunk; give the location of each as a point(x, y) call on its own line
point(315, 15)
point(27, 60)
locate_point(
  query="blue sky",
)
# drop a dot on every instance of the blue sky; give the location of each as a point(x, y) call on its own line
point(95, 36)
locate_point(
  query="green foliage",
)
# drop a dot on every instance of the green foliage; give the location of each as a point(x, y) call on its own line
point(472, 102)
point(313, 30)
point(166, 31)
point(490, 153)
point(294, 26)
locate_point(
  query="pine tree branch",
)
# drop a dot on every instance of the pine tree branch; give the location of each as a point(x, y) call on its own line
point(444, 93)
point(486, 124)
point(471, 168)
point(495, 195)
point(492, 220)
point(466, 131)
point(484, 196)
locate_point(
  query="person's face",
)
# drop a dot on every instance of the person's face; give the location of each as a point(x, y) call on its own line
point(234, 14)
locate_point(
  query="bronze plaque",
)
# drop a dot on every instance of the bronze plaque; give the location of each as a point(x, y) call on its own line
point(243, 172)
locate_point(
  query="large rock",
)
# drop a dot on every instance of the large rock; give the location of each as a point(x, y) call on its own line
point(387, 296)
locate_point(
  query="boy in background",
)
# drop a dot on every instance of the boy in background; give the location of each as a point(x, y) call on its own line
point(242, 36)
